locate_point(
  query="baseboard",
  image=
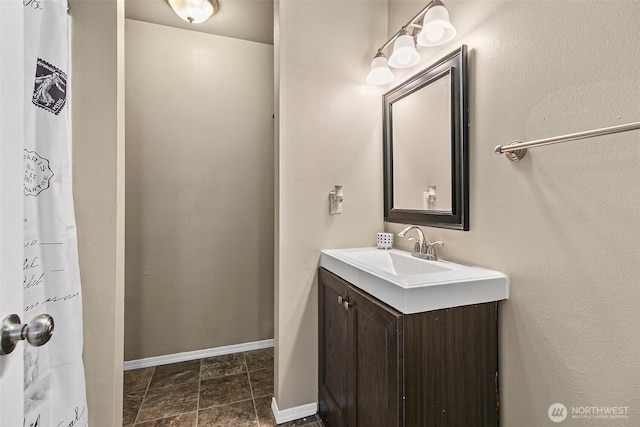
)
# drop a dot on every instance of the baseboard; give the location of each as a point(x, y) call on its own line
point(197, 354)
point(290, 414)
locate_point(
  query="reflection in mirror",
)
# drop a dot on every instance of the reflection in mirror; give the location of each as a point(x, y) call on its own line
point(425, 147)
point(422, 130)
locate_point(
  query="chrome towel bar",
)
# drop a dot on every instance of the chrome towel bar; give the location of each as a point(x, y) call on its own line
point(517, 149)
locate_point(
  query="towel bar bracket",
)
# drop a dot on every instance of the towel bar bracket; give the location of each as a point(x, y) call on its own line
point(514, 155)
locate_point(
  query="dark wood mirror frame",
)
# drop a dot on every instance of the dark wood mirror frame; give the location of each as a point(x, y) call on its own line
point(458, 218)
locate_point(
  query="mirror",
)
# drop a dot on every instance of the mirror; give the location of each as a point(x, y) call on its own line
point(425, 134)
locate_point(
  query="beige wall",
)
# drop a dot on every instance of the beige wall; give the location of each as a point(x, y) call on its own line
point(199, 191)
point(329, 133)
point(276, 184)
point(98, 173)
point(563, 222)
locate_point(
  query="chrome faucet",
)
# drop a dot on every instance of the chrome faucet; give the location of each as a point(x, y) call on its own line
point(422, 248)
point(419, 246)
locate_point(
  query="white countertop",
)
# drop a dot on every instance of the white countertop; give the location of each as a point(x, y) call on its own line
point(412, 285)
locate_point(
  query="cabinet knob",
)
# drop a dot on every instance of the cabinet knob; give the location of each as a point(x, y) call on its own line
point(344, 302)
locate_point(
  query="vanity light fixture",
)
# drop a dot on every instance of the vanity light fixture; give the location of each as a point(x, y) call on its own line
point(194, 11)
point(404, 51)
point(380, 73)
point(436, 29)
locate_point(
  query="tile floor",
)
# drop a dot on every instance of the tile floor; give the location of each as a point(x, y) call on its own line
point(234, 390)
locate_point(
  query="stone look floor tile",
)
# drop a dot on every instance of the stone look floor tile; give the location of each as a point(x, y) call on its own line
point(175, 373)
point(223, 390)
point(130, 407)
point(261, 382)
point(169, 401)
point(183, 420)
point(167, 396)
point(311, 421)
point(220, 366)
point(137, 380)
point(265, 414)
point(259, 359)
point(266, 419)
point(240, 414)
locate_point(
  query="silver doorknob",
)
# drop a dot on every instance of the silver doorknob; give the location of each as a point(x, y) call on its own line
point(38, 332)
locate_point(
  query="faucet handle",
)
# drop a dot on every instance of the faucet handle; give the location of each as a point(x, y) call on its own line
point(416, 244)
point(431, 250)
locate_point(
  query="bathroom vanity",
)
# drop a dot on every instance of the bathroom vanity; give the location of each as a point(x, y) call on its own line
point(387, 365)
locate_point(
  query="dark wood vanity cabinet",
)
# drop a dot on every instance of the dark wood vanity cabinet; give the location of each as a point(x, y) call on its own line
point(380, 368)
point(360, 357)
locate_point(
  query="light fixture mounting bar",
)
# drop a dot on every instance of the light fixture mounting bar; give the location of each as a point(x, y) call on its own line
point(411, 23)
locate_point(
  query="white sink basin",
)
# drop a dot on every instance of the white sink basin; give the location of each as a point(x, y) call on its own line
point(394, 262)
point(414, 285)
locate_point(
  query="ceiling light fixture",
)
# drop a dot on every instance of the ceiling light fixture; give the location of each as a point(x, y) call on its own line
point(436, 29)
point(194, 11)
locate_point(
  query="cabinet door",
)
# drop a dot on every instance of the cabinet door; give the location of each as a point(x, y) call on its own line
point(375, 362)
point(451, 367)
point(332, 346)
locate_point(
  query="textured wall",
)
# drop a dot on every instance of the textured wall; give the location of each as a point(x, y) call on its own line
point(199, 233)
point(329, 133)
point(563, 222)
point(97, 120)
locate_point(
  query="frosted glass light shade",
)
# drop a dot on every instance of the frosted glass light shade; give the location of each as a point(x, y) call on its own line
point(380, 73)
point(404, 52)
point(436, 27)
point(194, 11)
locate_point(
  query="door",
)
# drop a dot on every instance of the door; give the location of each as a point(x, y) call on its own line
point(11, 174)
point(375, 339)
point(332, 346)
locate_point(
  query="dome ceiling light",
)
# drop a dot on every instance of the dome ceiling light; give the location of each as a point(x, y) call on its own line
point(194, 11)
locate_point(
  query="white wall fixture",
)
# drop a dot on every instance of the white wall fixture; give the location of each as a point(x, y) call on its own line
point(194, 11)
point(436, 29)
point(335, 200)
point(429, 197)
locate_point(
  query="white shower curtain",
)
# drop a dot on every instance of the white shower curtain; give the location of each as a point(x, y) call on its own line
point(54, 383)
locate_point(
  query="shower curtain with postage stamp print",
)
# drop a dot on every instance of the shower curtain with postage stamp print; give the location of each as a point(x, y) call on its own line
point(54, 383)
